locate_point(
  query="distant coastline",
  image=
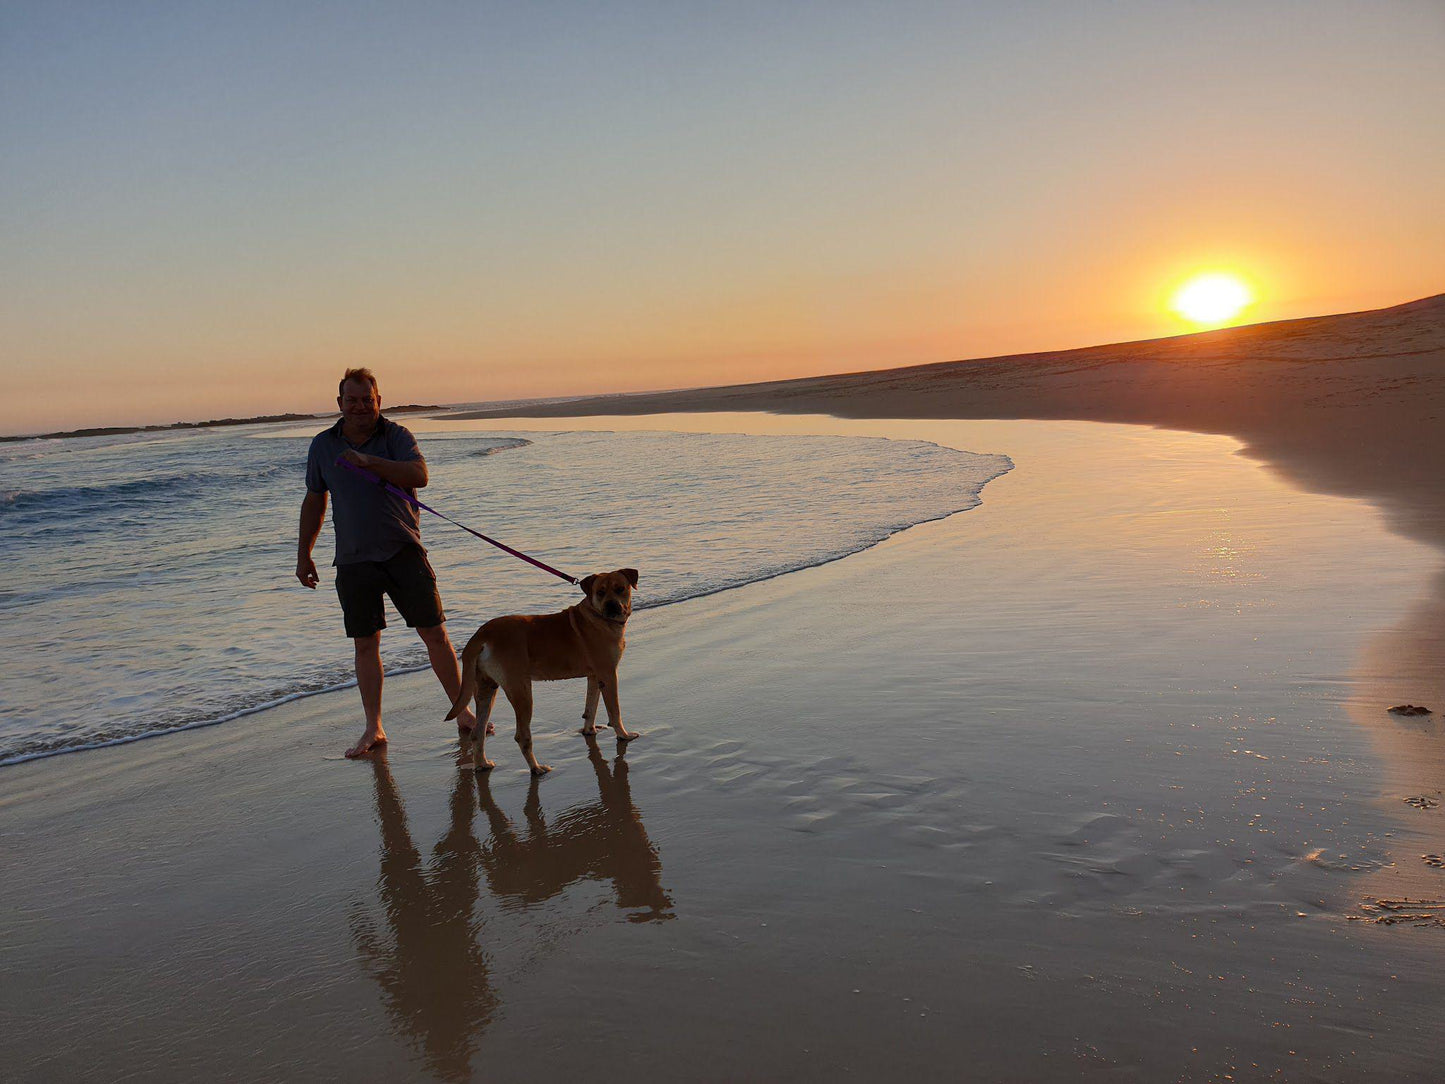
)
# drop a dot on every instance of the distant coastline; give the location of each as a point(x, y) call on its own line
point(121, 430)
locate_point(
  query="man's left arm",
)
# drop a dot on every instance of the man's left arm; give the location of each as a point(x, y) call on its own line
point(406, 473)
point(402, 465)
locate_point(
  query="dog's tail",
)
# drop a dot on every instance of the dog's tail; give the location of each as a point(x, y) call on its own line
point(470, 654)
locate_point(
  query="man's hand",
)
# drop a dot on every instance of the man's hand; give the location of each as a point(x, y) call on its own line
point(306, 572)
point(408, 473)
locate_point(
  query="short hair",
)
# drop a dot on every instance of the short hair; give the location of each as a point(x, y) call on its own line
point(358, 375)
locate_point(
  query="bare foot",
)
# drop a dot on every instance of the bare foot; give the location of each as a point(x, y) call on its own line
point(627, 735)
point(467, 722)
point(369, 741)
point(541, 769)
point(483, 765)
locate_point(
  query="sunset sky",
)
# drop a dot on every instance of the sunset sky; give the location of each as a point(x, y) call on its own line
point(211, 209)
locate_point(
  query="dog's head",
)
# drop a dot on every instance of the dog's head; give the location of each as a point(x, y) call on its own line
point(610, 593)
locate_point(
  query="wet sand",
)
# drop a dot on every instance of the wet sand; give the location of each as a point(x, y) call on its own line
point(1350, 404)
point(1065, 787)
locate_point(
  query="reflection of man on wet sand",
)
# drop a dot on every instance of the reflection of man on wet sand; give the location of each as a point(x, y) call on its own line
point(604, 841)
point(432, 972)
point(434, 976)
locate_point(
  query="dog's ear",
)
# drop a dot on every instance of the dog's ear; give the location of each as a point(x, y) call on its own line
point(630, 574)
point(586, 584)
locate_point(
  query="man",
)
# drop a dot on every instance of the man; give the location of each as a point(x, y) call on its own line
point(378, 543)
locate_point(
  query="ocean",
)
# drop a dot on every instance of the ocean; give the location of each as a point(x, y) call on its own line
point(150, 578)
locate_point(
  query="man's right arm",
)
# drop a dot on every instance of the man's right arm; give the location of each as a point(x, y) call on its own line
point(313, 511)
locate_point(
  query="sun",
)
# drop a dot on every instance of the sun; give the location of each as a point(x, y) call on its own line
point(1212, 299)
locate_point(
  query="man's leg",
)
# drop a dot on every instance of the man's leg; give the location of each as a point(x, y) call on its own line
point(449, 673)
point(368, 679)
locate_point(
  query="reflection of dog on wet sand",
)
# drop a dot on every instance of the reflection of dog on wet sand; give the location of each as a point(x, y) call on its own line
point(604, 841)
point(584, 640)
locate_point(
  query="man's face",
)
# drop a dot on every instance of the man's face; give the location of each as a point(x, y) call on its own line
point(359, 403)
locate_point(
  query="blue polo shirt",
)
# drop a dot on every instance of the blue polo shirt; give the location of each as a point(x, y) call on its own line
point(372, 524)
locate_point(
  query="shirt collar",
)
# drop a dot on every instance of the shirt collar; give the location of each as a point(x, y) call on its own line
point(382, 423)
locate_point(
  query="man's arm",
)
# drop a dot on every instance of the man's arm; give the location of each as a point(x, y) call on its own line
point(407, 473)
point(313, 511)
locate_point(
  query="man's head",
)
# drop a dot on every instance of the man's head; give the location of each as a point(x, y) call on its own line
point(358, 396)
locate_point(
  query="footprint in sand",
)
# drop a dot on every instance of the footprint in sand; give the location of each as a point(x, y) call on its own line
point(1434, 860)
point(1410, 709)
point(1421, 801)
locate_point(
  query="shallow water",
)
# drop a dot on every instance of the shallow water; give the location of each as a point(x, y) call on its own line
point(150, 577)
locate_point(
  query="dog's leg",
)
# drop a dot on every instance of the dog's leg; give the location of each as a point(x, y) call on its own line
point(486, 697)
point(589, 713)
point(520, 695)
point(614, 709)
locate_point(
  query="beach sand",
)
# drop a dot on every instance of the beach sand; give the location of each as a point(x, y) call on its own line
point(1064, 787)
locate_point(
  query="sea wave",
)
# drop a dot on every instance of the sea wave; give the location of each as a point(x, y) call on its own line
point(503, 444)
point(42, 750)
point(287, 694)
point(105, 496)
point(700, 514)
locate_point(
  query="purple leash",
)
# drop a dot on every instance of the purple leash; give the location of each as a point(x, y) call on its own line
point(370, 476)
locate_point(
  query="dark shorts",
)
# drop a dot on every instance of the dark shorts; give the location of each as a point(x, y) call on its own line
point(407, 578)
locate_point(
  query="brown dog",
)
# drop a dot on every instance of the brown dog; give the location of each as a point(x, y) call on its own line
point(584, 640)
